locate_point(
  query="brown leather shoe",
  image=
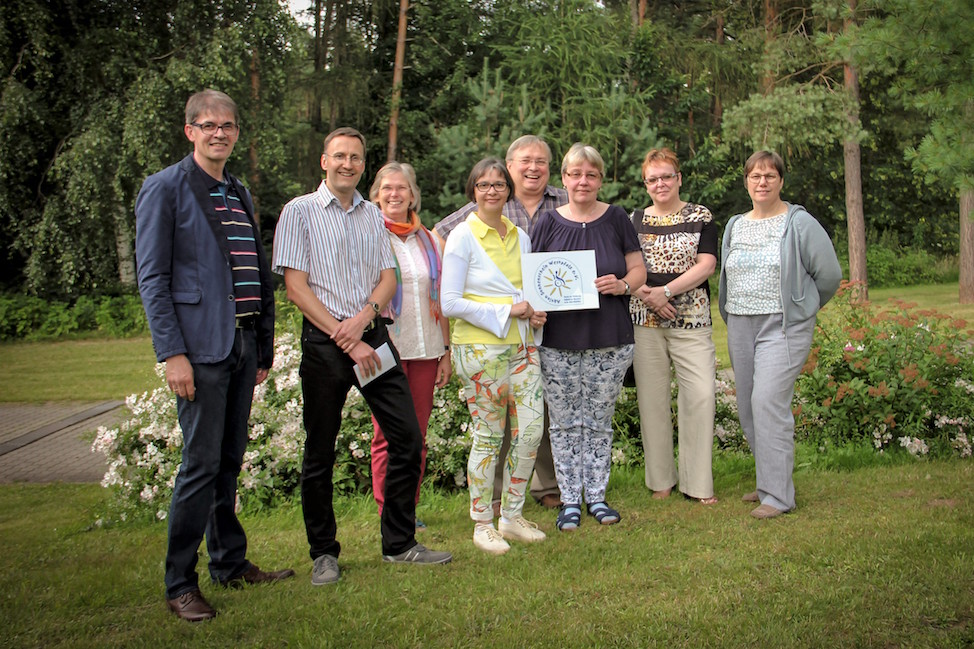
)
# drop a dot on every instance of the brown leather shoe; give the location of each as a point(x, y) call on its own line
point(191, 607)
point(750, 497)
point(551, 501)
point(766, 511)
point(255, 575)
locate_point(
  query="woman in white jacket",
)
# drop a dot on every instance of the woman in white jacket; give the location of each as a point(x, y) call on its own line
point(494, 354)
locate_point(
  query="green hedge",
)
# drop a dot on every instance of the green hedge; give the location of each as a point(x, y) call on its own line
point(33, 318)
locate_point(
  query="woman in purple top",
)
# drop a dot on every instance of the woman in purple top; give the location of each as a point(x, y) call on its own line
point(585, 354)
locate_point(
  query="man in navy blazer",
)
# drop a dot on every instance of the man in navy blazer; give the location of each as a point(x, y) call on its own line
point(209, 299)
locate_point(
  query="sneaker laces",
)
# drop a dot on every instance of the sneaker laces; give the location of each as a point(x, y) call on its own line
point(491, 533)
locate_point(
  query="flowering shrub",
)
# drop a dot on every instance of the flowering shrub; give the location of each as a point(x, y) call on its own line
point(144, 452)
point(894, 375)
point(627, 443)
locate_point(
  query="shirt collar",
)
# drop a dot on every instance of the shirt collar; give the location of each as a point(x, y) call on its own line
point(480, 229)
point(328, 197)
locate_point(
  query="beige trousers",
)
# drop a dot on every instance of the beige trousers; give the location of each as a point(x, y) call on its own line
point(691, 352)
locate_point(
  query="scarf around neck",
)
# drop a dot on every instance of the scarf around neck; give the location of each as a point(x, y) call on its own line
point(434, 262)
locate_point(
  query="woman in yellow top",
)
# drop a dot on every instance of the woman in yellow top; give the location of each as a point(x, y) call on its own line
point(494, 354)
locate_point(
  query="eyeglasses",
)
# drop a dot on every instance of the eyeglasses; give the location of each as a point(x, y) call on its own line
point(485, 187)
point(666, 178)
point(590, 176)
point(769, 178)
point(340, 158)
point(540, 162)
point(209, 128)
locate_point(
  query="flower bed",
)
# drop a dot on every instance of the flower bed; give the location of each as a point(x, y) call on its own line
point(893, 375)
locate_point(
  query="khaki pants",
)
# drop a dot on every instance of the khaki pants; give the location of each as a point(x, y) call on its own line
point(691, 353)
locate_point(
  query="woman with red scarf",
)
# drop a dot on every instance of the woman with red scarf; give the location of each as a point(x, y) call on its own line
point(419, 331)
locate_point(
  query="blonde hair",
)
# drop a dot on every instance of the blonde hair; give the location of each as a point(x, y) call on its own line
point(408, 173)
point(583, 153)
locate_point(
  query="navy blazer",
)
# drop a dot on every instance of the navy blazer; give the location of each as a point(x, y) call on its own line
point(185, 276)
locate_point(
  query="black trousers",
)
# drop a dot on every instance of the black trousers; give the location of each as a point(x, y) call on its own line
point(326, 377)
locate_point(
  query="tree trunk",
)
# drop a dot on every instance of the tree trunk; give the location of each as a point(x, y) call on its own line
point(315, 112)
point(254, 164)
point(966, 246)
point(397, 81)
point(855, 220)
point(770, 28)
point(719, 38)
point(124, 249)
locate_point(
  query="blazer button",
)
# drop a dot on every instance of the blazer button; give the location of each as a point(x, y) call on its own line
point(230, 297)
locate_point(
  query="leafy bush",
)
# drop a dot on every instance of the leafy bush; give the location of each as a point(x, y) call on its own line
point(892, 375)
point(891, 265)
point(34, 318)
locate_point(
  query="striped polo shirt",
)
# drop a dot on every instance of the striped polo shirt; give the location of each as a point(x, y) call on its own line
point(242, 245)
point(343, 251)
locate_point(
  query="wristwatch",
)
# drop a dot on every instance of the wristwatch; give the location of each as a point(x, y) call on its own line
point(667, 292)
point(628, 290)
point(375, 307)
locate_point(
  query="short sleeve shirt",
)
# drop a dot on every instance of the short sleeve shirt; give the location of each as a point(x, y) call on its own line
point(670, 245)
point(753, 266)
point(343, 251)
point(612, 237)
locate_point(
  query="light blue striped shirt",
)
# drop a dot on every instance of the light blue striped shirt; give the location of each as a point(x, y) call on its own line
point(342, 251)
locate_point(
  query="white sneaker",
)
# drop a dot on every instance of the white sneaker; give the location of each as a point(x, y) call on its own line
point(489, 540)
point(521, 529)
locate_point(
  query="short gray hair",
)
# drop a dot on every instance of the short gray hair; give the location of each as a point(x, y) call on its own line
point(526, 141)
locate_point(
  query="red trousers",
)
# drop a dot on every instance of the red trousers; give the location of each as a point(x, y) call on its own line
point(421, 375)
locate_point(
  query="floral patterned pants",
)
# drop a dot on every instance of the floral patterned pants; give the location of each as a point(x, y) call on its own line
point(581, 388)
point(500, 383)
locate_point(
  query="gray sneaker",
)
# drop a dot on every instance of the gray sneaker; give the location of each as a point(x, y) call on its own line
point(325, 571)
point(419, 554)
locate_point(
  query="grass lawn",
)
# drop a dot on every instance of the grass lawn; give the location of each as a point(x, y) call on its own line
point(99, 369)
point(878, 557)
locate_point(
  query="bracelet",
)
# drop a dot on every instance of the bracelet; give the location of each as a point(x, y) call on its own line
point(628, 290)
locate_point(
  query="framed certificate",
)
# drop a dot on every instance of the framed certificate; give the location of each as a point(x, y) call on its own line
point(560, 281)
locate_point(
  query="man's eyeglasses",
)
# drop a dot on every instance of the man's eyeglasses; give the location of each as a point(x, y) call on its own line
point(209, 128)
point(499, 186)
point(666, 178)
point(756, 178)
point(540, 162)
point(340, 158)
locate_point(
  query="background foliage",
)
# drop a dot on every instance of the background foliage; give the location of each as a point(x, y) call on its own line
point(92, 94)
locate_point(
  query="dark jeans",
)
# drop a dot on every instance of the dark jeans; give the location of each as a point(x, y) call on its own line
point(214, 440)
point(326, 377)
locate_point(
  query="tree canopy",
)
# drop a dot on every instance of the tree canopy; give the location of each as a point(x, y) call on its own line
point(92, 97)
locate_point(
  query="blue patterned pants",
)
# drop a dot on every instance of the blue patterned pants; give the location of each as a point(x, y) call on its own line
point(581, 388)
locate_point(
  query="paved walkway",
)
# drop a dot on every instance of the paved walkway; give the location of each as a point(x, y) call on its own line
point(50, 442)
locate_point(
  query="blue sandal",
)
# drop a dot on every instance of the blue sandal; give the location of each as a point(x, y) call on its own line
point(569, 518)
point(604, 514)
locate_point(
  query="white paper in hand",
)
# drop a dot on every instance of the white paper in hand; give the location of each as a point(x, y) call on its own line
point(387, 362)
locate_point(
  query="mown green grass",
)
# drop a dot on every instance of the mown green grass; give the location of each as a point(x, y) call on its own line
point(99, 369)
point(878, 557)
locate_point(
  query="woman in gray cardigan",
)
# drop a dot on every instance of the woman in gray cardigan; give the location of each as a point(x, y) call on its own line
point(778, 269)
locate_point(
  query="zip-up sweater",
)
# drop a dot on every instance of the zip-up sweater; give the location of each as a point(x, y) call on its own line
point(810, 271)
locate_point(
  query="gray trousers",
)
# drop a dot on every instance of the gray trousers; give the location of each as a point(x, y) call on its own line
point(767, 361)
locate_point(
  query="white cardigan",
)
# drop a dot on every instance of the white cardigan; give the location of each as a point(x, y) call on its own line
point(467, 268)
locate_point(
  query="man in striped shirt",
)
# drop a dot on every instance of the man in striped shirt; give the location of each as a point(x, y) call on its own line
point(208, 296)
point(333, 250)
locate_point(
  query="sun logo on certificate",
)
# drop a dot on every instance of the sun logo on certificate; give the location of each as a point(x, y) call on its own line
point(556, 280)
